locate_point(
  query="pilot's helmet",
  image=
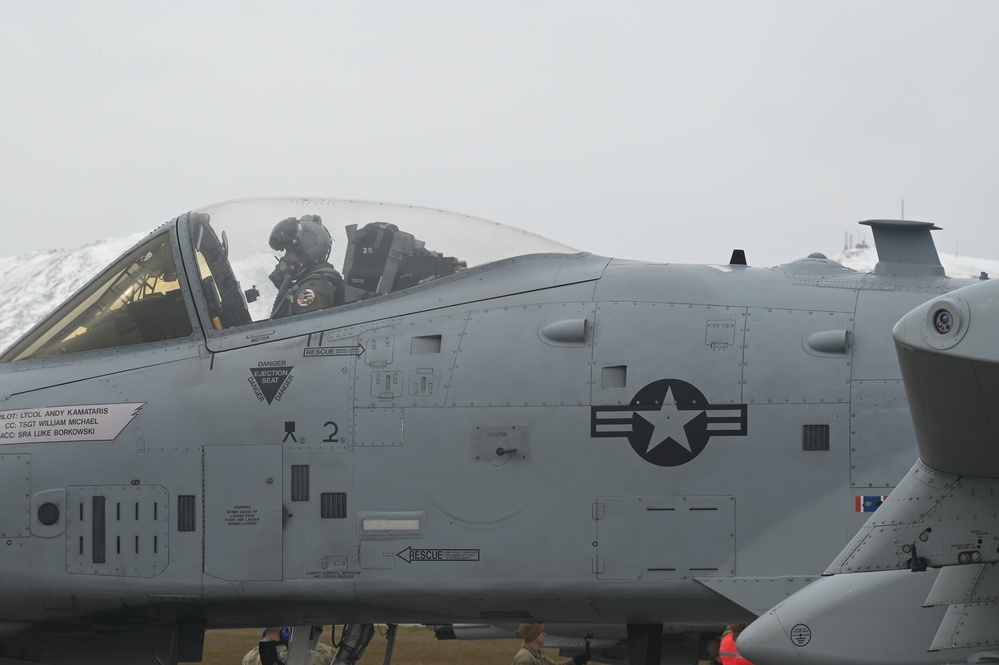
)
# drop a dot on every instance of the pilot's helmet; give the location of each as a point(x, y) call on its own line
point(306, 236)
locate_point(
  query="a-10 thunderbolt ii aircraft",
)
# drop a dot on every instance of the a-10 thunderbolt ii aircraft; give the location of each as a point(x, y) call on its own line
point(918, 584)
point(496, 432)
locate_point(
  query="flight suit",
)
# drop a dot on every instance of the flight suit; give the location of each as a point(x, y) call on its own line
point(317, 288)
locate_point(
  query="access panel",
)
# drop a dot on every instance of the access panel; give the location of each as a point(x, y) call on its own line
point(243, 512)
point(664, 537)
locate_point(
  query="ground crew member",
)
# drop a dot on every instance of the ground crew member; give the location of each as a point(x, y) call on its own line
point(275, 644)
point(533, 635)
point(728, 653)
point(711, 648)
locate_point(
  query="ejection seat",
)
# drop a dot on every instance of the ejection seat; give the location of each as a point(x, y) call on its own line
point(381, 259)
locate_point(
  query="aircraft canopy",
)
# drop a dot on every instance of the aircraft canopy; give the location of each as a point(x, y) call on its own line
point(379, 249)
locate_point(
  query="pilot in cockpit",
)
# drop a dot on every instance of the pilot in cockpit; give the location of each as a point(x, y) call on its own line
point(305, 280)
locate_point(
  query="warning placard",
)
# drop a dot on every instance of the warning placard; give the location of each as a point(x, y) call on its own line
point(270, 381)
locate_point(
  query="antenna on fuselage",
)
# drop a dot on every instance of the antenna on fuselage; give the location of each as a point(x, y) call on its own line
point(905, 247)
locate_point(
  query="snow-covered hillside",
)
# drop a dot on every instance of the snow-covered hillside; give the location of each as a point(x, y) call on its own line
point(32, 285)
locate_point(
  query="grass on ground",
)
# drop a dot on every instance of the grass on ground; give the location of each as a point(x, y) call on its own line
point(414, 645)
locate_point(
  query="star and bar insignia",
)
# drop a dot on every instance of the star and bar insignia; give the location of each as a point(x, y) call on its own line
point(668, 422)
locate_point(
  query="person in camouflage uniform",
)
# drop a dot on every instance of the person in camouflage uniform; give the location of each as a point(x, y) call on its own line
point(323, 654)
point(533, 635)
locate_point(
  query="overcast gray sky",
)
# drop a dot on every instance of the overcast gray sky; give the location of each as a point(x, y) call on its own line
point(670, 131)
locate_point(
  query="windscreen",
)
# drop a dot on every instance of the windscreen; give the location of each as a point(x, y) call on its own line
point(134, 301)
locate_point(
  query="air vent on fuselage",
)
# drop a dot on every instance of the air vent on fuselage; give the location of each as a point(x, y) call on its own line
point(119, 530)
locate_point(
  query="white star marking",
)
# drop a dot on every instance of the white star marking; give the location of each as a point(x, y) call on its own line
point(667, 423)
